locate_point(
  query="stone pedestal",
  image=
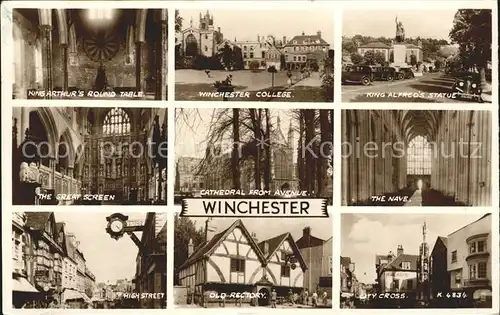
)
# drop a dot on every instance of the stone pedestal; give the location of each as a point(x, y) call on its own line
point(399, 54)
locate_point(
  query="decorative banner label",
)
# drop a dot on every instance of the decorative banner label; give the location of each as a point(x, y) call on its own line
point(230, 207)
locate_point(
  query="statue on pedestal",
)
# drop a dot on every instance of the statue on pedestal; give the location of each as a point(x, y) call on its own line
point(400, 31)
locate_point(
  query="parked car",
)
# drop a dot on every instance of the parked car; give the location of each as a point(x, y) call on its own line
point(468, 86)
point(407, 73)
point(358, 74)
point(384, 73)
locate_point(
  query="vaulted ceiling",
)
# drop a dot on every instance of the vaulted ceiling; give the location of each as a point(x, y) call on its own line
point(419, 123)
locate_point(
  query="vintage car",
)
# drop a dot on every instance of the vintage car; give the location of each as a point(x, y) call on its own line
point(383, 73)
point(358, 74)
point(468, 86)
point(403, 73)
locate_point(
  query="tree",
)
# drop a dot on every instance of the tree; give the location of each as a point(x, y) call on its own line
point(379, 58)
point(369, 57)
point(254, 65)
point(238, 64)
point(184, 230)
point(349, 46)
point(472, 31)
point(226, 56)
point(356, 58)
point(235, 159)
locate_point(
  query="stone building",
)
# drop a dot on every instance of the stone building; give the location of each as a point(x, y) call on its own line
point(151, 272)
point(202, 40)
point(283, 166)
point(304, 50)
point(72, 157)
point(317, 254)
point(408, 147)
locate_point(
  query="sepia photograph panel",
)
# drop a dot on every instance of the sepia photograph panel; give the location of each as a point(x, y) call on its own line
point(76, 260)
point(416, 261)
point(253, 153)
point(287, 56)
point(417, 56)
point(247, 262)
point(416, 158)
point(89, 156)
point(103, 53)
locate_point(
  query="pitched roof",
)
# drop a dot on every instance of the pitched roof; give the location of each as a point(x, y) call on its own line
point(211, 245)
point(306, 40)
point(444, 240)
point(309, 241)
point(37, 220)
point(375, 45)
point(396, 264)
point(463, 227)
point(275, 243)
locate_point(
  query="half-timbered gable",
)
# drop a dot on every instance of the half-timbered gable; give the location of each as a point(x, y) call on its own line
point(231, 256)
point(285, 264)
point(232, 260)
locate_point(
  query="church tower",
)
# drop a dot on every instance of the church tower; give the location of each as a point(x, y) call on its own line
point(207, 35)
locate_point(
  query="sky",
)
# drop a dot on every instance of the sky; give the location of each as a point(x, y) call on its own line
point(106, 258)
point(367, 235)
point(246, 26)
point(426, 24)
point(271, 227)
point(192, 128)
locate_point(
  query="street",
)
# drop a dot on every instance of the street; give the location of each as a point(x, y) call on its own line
point(431, 87)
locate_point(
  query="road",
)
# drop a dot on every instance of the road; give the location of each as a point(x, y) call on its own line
point(431, 87)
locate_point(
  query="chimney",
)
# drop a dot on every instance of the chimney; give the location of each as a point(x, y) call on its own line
point(284, 40)
point(319, 34)
point(218, 29)
point(190, 247)
point(266, 248)
point(306, 231)
point(254, 236)
point(390, 256)
point(258, 38)
point(400, 250)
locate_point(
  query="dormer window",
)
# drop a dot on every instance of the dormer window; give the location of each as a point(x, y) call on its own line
point(295, 42)
point(406, 265)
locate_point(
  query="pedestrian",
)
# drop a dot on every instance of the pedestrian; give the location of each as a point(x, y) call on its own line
point(273, 298)
point(325, 295)
point(290, 297)
point(315, 299)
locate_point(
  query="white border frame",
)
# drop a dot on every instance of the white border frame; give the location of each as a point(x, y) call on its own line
point(339, 8)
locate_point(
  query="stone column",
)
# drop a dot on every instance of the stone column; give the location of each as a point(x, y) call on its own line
point(139, 74)
point(161, 61)
point(46, 37)
point(64, 51)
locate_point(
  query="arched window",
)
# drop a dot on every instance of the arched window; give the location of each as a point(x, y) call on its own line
point(116, 122)
point(100, 14)
point(419, 157)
